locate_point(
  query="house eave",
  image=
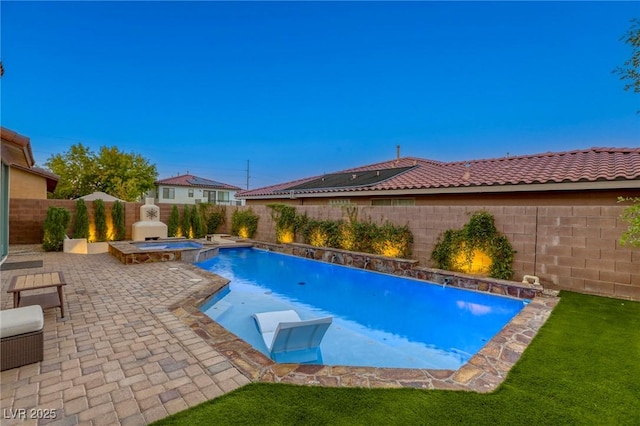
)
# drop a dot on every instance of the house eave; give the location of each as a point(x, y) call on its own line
point(539, 187)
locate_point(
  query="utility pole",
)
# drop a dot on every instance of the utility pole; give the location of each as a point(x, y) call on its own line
point(247, 174)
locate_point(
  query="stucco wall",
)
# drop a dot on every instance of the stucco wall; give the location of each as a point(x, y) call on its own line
point(26, 185)
point(568, 247)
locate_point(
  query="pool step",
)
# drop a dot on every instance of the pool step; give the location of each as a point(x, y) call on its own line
point(220, 308)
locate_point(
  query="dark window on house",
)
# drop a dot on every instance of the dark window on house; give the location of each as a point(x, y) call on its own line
point(190, 193)
point(223, 196)
point(168, 193)
point(393, 202)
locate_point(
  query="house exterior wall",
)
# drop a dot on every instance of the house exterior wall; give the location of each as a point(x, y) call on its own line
point(562, 198)
point(571, 247)
point(27, 185)
point(181, 195)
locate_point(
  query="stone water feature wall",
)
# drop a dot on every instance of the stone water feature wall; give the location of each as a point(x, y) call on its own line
point(406, 268)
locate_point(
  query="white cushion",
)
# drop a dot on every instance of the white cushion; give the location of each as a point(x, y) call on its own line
point(21, 320)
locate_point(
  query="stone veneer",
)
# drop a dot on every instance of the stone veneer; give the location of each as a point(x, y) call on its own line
point(407, 268)
point(129, 254)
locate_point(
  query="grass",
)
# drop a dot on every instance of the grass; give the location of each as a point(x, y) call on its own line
point(583, 367)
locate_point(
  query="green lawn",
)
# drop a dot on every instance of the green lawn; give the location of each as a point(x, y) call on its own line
point(583, 367)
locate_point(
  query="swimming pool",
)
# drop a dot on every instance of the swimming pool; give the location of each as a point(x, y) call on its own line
point(379, 320)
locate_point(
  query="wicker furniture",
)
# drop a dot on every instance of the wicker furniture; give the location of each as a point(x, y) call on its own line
point(21, 283)
point(21, 337)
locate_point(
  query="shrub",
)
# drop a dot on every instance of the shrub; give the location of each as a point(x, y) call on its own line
point(173, 226)
point(81, 220)
point(215, 218)
point(186, 222)
point(197, 226)
point(244, 223)
point(100, 220)
point(322, 233)
point(286, 220)
point(117, 217)
point(55, 228)
point(392, 241)
point(631, 214)
point(470, 249)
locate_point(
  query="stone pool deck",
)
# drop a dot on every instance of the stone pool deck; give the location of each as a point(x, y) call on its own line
point(134, 348)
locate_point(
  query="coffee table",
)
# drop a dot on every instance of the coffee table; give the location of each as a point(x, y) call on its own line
point(22, 283)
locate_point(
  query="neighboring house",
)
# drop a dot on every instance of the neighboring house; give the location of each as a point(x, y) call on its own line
point(19, 179)
point(578, 177)
point(189, 189)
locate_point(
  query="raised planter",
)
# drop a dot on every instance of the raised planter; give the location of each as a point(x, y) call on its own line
point(81, 246)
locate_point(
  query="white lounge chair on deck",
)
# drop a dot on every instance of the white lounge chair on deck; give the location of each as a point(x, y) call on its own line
point(290, 339)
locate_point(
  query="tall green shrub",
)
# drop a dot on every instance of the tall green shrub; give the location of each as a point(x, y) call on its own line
point(81, 220)
point(186, 222)
point(100, 219)
point(55, 228)
point(197, 224)
point(244, 223)
point(174, 222)
point(117, 218)
point(215, 218)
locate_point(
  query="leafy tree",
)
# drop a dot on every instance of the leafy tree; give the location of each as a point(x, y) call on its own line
point(124, 175)
point(630, 72)
point(81, 220)
point(81, 171)
point(174, 222)
point(77, 169)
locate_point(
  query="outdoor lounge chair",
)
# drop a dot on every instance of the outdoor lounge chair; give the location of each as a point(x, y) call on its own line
point(21, 336)
point(290, 339)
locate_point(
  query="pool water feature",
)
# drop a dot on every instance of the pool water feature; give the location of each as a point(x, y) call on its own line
point(167, 245)
point(379, 320)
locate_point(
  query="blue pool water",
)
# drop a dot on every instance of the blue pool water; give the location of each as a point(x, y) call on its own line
point(163, 245)
point(379, 320)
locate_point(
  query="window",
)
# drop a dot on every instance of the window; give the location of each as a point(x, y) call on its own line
point(223, 196)
point(168, 193)
point(339, 202)
point(393, 202)
point(210, 196)
point(190, 194)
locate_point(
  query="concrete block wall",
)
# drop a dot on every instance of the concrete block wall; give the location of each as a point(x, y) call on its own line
point(569, 247)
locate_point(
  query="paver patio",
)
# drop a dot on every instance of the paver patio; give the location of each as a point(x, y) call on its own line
point(120, 356)
point(134, 347)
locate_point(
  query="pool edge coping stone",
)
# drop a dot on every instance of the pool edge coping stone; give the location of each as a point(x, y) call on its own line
point(484, 372)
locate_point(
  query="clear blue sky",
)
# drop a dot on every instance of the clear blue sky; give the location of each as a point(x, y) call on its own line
point(301, 88)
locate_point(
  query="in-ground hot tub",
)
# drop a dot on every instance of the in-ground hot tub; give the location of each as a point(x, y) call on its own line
point(131, 253)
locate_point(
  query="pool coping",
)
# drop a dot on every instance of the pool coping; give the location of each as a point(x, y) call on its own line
point(484, 372)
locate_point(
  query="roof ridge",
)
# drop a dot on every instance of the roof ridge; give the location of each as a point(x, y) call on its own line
point(548, 154)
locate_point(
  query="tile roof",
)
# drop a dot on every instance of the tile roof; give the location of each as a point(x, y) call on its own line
point(587, 165)
point(195, 181)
